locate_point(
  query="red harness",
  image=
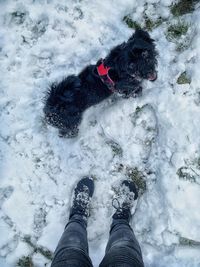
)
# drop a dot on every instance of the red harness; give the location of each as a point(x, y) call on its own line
point(104, 76)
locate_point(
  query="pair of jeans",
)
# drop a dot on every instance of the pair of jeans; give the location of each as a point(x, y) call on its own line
point(122, 250)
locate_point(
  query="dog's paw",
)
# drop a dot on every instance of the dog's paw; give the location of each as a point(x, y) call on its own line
point(137, 92)
point(134, 94)
point(69, 133)
point(129, 88)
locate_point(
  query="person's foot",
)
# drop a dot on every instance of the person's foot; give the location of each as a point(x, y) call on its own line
point(82, 194)
point(124, 200)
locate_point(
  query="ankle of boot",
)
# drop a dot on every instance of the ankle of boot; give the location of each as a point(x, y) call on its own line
point(125, 214)
point(79, 213)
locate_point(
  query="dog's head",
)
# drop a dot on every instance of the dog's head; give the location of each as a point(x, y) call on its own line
point(141, 60)
point(135, 58)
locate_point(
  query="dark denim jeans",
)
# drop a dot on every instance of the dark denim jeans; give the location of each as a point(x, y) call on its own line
point(122, 250)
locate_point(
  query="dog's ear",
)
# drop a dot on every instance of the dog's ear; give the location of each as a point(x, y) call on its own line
point(141, 35)
point(145, 43)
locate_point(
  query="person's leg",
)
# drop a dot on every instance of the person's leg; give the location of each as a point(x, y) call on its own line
point(72, 249)
point(123, 248)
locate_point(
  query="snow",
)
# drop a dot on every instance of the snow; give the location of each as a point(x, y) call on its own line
point(52, 39)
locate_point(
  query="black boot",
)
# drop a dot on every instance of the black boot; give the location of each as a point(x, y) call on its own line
point(124, 200)
point(82, 195)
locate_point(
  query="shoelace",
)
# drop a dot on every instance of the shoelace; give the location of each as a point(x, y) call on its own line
point(116, 205)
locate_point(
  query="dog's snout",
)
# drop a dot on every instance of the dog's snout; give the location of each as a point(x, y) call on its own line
point(152, 76)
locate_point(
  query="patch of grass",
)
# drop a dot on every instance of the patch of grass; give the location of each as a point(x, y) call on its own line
point(181, 46)
point(138, 178)
point(175, 31)
point(94, 177)
point(45, 252)
point(183, 78)
point(183, 7)
point(116, 148)
point(40, 28)
point(138, 109)
point(188, 242)
point(25, 261)
point(39, 249)
point(184, 174)
point(178, 34)
point(131, 23)
point(18, 17)
point(150, 24)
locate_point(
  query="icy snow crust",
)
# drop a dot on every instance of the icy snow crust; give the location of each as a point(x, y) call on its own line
point(50, 40)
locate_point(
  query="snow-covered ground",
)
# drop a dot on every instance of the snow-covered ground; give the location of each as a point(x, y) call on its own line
point(44, 40)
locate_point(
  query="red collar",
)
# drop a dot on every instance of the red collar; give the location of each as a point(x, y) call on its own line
point(104, 76)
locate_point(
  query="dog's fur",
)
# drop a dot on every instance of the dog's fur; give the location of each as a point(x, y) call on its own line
point(129, 62)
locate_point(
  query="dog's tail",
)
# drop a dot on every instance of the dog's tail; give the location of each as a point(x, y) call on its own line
point(62, 91)
point(58, 99)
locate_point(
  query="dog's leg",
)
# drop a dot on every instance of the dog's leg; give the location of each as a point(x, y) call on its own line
point(129, 87)
point(71, 127)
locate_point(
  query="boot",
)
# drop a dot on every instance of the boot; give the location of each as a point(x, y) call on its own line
point(82, 194)
point(125, 200)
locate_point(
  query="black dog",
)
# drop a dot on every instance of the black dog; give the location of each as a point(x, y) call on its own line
point(122, 71)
